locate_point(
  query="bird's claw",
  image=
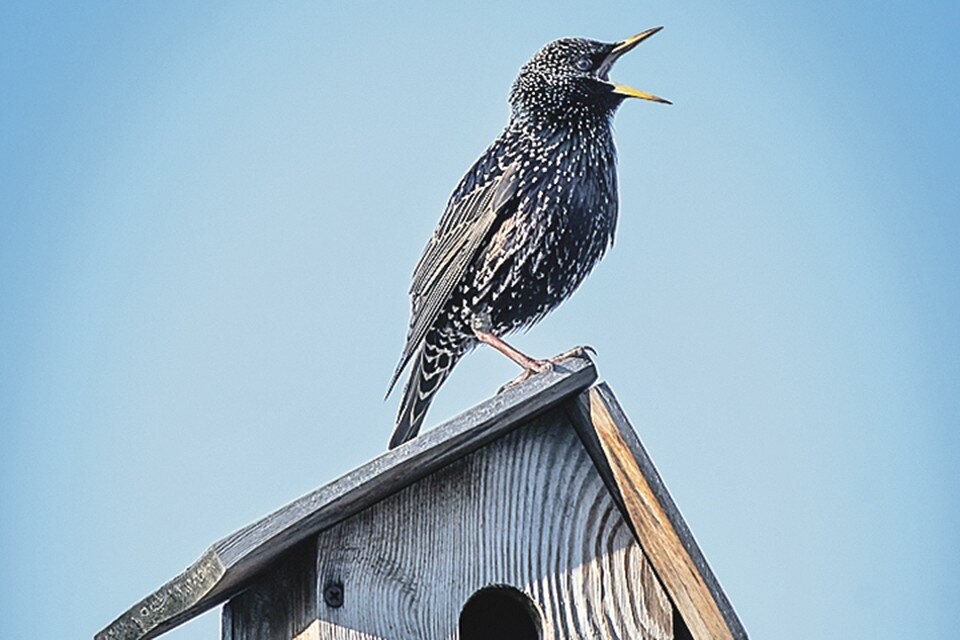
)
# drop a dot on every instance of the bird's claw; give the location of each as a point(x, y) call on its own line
point(576, 352)
point(540, 366)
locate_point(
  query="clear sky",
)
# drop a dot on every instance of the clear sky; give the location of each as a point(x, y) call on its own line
point(209, 213)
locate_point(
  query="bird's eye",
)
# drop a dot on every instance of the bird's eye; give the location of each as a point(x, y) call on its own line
point(584, 63)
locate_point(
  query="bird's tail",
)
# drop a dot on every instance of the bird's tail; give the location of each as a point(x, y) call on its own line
point(433, 363)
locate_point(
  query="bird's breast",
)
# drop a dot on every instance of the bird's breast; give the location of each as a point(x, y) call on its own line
point(562, 223)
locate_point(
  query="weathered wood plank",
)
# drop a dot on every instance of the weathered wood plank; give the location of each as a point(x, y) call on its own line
point(281, 604)
point(167, 604)
point(528, 510)
point(237, 558)
point(655, 519)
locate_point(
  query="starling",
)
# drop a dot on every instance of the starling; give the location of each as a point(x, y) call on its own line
point(526, 224)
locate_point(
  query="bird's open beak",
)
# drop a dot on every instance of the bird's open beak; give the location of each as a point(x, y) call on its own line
point(618, 50)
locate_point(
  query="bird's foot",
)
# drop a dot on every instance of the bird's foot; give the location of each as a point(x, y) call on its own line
point(533, 367)
point(536, 366)
point(576, 352)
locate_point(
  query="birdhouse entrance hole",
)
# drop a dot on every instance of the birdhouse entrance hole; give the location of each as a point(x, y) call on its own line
point(499, 613)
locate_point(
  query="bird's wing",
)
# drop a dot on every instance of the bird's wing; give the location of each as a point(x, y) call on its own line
point(462, 229)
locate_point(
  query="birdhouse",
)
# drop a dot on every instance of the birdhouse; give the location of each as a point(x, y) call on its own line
point(537, 514)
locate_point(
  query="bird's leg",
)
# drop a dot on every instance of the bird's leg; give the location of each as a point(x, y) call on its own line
point(482, 329)
point(530, 365)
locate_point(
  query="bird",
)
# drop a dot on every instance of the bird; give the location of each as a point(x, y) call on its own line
point(525, 225)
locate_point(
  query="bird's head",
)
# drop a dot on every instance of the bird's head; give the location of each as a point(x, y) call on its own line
point(575, 73)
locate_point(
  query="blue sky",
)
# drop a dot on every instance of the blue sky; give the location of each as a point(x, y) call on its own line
point(210, 212)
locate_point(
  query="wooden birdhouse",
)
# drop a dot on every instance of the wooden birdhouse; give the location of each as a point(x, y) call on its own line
point(537, 514)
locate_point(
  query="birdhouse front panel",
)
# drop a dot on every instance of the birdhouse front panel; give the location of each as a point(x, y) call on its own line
point(521, 533)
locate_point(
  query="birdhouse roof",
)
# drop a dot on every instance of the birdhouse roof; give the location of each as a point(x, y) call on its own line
point(233, 562)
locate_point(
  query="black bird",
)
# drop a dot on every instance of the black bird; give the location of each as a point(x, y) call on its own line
point(525, 225)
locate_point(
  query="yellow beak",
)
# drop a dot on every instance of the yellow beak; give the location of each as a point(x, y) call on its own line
point(625, 45)
point(621, 48)
point(630, 92)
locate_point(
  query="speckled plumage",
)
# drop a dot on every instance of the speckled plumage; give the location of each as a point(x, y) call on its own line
point(526, 224)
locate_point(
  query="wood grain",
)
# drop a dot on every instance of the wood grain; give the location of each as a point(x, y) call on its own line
point(281, 605)
point(233, 562)
point(655, 519)
point(530, 511)
point(169, 601)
